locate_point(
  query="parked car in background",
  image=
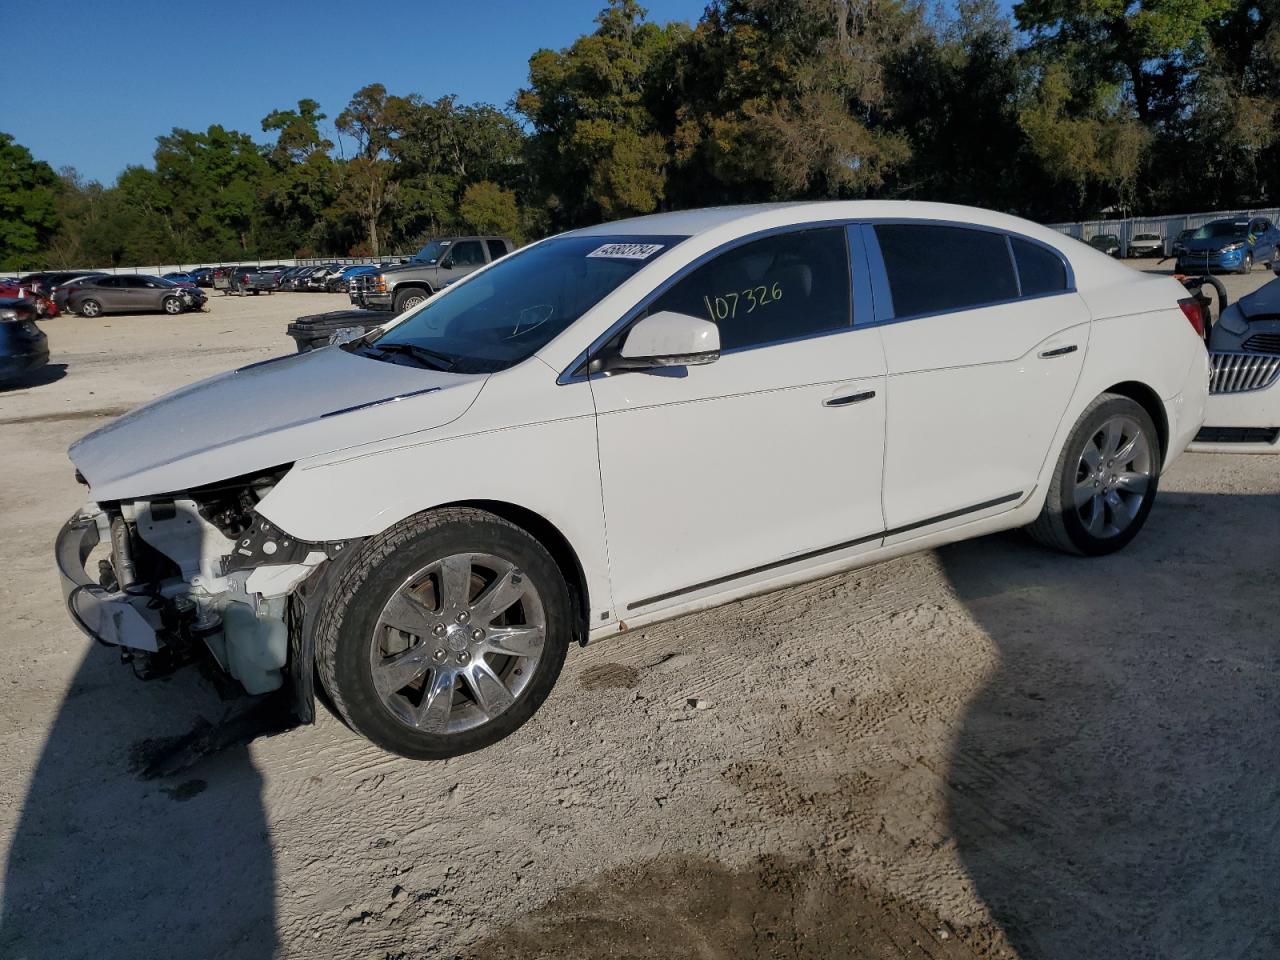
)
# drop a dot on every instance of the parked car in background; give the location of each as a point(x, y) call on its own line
point(1179, 244)
point(45, 281)
point(14, 289)
point(1235, 243)
point(203, 276)
point(805, 354)
point(132, 293)
point(23, 345)
point(342, 282)
point(438, 264)
point(181, 279)
point(1243, 415)
point(1146, 245)
point(252, 280)
point(1107, 243)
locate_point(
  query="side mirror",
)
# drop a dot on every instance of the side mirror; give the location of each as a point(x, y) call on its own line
point(667, 339)
point(1275, 262)
point(446, 263)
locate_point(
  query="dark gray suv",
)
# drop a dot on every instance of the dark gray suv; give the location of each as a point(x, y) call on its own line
point(435, 266)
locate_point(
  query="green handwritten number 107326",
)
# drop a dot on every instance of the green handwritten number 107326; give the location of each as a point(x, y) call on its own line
point(725, 306)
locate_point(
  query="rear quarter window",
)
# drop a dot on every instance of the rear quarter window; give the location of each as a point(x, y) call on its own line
point(936, 268)
point(1040, 269)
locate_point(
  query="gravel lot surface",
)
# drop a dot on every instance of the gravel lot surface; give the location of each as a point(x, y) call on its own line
point(984, 751)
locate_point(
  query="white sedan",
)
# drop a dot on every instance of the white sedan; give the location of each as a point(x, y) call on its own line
point(619, 425)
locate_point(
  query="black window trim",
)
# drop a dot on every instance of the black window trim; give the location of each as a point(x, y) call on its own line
point(884, 312)
point(576, 371)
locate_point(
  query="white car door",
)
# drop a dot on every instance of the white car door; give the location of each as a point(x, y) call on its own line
point(985, 346)
point(769, 458)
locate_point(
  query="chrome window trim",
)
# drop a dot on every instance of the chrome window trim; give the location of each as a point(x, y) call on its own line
point(884, 316)
point(872, 295)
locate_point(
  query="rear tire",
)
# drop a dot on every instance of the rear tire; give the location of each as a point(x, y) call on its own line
point(451, 676)
point(1105, 480)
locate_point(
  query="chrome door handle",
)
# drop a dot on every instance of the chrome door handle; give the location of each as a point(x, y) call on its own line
point(1058, 352)
point(848, 398)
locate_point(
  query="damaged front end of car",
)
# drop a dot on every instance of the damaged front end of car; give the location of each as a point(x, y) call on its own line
point(171, 577)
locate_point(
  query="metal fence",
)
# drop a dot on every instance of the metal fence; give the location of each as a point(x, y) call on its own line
point(156, 270)
point(1166, 228)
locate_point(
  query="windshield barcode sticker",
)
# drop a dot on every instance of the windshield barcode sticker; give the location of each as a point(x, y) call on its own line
point(626, 251)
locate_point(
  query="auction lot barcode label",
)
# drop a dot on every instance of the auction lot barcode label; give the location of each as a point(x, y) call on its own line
point(626, 251)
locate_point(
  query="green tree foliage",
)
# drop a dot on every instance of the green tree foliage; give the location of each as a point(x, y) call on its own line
point(1064, 110)
point(29, 192)
point(487, 208)
point(596, 142)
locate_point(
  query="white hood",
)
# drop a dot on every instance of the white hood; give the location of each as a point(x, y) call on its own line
point(265, 415)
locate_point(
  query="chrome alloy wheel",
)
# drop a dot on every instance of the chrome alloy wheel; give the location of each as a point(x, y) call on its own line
point(456, 644)
point(1113, 477)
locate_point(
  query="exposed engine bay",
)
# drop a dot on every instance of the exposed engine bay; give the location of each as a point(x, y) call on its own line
point(193, 571)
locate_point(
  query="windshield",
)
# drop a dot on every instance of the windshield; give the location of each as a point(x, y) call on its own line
point(517, 306)
point(1220, 228)
point(1146, 236)
point(433, 251)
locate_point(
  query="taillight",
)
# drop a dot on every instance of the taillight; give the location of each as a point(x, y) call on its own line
point(1191, 309)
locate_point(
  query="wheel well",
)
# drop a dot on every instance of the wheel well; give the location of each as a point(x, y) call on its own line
point(546, 533)
point(1149, 400)
point(412, 285)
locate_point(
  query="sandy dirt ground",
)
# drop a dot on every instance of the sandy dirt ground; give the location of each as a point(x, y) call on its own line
point(985, 751)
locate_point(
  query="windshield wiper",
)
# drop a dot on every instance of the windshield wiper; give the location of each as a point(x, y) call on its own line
point(425, 356)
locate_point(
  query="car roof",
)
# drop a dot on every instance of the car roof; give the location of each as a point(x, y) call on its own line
point(748, 218)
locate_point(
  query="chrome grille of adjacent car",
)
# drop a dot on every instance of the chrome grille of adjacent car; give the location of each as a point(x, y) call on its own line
point(1263, 343)
point(1241, 372)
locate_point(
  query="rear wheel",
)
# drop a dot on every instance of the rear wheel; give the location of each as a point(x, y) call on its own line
point(172, 305)
point(1105, 481)
point(90, 308)
point(444, 634)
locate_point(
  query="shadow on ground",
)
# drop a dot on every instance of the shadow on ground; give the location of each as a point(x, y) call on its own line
point(49, 373)
point(143, 832)
point(1114, 787)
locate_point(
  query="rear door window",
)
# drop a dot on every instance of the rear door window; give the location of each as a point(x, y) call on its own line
point(783, 287)
point(936, 268)
point(467, 253)
point(497, 249)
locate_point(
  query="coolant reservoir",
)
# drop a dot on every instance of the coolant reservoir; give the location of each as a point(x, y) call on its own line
point(257, 645)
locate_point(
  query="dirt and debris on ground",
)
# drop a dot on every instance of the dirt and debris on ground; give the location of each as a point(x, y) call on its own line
point(984, 751)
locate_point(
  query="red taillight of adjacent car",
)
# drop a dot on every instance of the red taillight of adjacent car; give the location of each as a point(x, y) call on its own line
point(1191, 309)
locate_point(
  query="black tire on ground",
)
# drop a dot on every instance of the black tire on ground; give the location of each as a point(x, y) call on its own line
point(90, 308)
point(409, 298)
point(1246, 265)
point(1059, 525)
point(345, 627)
point(173, 305)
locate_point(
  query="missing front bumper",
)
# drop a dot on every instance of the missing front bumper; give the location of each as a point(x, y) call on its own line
point(112, 617)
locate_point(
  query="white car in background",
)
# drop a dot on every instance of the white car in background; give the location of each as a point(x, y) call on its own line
point(1146, 245)
point(1243, 413)
point(620, 425)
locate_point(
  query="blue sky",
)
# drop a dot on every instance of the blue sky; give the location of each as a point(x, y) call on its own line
point(102, 81)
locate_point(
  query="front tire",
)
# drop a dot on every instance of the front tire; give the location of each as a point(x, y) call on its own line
point(408, 299)
point(172, 306)
point(1246, 265)
point(1105, 480)
point(90, 309)
point(444, 634)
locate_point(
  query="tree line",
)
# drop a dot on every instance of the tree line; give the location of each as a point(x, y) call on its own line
point(1058, 111)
